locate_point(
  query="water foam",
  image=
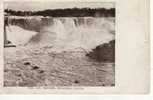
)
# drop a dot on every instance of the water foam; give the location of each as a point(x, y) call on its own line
point(66, 33)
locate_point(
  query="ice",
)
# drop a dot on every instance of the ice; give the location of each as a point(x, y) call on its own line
point(19, 36)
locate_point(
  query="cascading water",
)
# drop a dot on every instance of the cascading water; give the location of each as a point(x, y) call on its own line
point(62, 33)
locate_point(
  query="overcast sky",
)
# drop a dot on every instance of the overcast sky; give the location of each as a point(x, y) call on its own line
point(35, 6)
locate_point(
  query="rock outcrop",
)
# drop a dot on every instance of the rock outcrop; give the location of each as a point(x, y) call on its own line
point(104, 52)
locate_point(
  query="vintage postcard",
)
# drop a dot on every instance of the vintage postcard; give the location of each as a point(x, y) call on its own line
point(68, 46)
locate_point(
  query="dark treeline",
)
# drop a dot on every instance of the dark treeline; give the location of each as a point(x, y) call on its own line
point(69, 12)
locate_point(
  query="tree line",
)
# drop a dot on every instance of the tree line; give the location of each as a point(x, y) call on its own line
point(68, 12)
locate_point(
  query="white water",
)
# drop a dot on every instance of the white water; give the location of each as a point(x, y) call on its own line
point(66, 33)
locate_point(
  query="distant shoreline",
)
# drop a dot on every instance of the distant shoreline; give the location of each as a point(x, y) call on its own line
point(74, 12)
point(31, 17)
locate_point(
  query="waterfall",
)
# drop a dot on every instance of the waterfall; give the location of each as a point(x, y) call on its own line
point(66, 32)
point(59, 29)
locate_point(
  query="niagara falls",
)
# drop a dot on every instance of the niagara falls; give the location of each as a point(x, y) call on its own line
point(59, 46)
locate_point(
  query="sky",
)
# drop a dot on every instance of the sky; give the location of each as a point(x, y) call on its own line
point(35, 6)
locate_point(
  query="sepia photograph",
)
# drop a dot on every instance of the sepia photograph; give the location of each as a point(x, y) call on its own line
point(59, 44)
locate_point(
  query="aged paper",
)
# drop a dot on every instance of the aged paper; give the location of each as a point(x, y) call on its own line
point(74, 46)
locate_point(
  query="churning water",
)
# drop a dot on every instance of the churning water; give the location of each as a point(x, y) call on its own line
point(63, 33)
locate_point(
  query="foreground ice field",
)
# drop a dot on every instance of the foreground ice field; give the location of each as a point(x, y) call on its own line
point(43, 68)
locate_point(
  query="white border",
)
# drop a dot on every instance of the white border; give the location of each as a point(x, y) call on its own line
point(132, 52)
